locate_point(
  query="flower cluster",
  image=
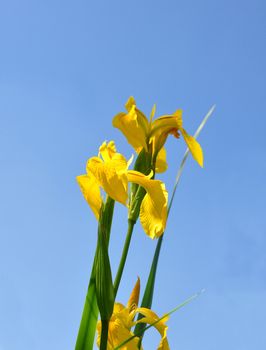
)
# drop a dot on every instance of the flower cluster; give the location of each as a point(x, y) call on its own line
point(109, 179)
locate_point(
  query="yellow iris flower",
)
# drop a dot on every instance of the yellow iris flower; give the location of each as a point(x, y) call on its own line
point(122, 321)
point(109, 171)
point(151, 135)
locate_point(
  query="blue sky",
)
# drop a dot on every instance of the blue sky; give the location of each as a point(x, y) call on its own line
point(66, 68)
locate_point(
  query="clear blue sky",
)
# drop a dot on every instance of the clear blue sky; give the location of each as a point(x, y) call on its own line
point(66, 67)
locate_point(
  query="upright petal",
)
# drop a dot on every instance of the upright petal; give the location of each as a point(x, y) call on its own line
point(107, 151)
point(134, 297)
point(166, 123)
point(162, 127)
point(134, 125)
point(153, 210)
point(161, 164)
point(110, 176)
point(91, 192)
point(128, 124)
point(193, 146)
point(143, 121)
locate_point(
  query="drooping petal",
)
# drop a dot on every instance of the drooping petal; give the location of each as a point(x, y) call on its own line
point(150, 318)
point(152, 219)
point(91, 192)
point(153, 210)
point(161, 164)
point(193, 146)
point(110, 176)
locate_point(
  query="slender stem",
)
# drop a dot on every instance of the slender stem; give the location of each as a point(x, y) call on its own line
point(131, 225)
point(148, 294)
point(104, 335)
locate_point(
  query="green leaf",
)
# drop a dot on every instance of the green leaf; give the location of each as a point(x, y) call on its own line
point(149, 289)
point(181, 167)
point(104, 282)
point(87, 329)
point(89, 319)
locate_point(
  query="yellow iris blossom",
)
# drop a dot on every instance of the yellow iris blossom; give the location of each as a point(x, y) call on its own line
point(151, 135)
point(122, 321)
point(109, 171)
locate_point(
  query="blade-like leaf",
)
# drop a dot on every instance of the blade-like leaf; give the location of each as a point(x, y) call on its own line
point(181, 168)
point(89, 319)
point(86, 334)
point(148, 294)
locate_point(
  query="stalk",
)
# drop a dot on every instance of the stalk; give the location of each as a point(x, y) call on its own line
point(148, 294)
point(121, 266)
point(104, 334)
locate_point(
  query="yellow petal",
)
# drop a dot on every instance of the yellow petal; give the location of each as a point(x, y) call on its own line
point(134, 297)
point(117, 334)
point(111, 176)
point(150, 318)
point(167, 122)
point(130, 102)
point(162, 127)
point(134, 125)
point(107, 151)
point(153, 210)
point(91, 192)
point(193, 146)
point(119, 329)
point(161, 164)
point(152, 112)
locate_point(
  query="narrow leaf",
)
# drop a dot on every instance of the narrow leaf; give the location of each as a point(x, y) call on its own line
point(181, 168)
point(149, 289)
point(87, 329)
point(89, 319)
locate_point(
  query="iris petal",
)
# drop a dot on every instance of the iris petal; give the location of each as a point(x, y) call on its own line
point(130, 126)
point(150, 317)
point(153, 210)
point(161, 164)
point(134, 297)
point(193, 146)
point(107, 151)
point(91, 192)
point(110, 176)
point(134, 125)
point(167, 122)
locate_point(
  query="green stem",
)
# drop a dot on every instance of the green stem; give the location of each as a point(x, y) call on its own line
point(148, 294)
point(149, 289)
point(104, 335)
point(131, 224)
